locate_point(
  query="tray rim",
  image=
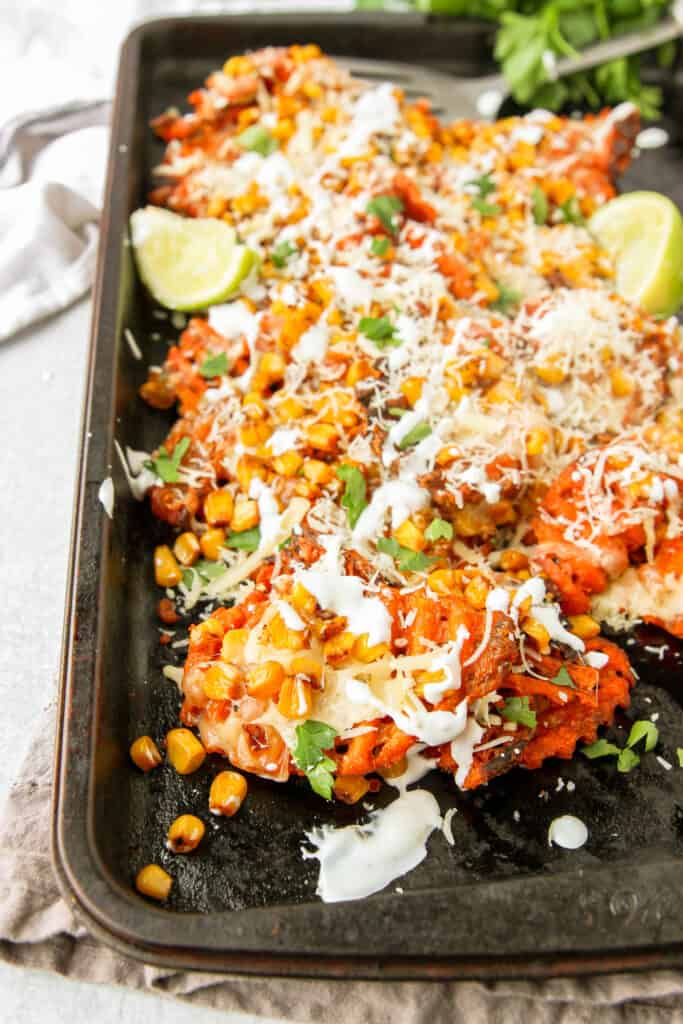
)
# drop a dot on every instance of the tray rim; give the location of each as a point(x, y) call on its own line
point(82, 893)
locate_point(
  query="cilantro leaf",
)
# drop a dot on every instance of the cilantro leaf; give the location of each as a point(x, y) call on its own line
point(484, 185)
point(516, 709)
point(486, 209)
point(166, 466)
point(210, 570)
point(386, 209)
point(679, 755)
point(627, 760)
point(188, 578)
point(354, 499)
point(215, 365)
point(312, 738)
point(281, 253)
point(643, 729)
point(601, 748)
point(438, 529)
point(396, 412)
point(414, 436)
point(406, 559)
point(507, 298)
point(257, 139)
point(380, 330)
point(379, 246)
point(571, 211)
point(563, 679)
point(539, 205)
point(245, 540)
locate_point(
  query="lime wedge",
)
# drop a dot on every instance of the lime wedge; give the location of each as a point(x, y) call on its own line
point(643, 232)
point(188, 263)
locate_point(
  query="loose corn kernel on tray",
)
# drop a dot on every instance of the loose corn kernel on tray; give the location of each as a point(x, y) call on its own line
point(500, 899)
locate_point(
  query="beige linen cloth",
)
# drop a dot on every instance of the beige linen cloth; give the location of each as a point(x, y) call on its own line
point(38, 929)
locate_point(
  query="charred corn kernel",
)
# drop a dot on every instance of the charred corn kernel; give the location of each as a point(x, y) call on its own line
point(227, 793)
point(264, 681)
point(145, 753)
point(167, 572)
point(288, 464)
point(467, 522)
point(304, 489)
point(550, 373)
point(154, 882)
point(245, 515)
point(502, 512)
point(283, 637)
point(253, 434)
point(411, 388)
point(273, 365)
point(339, 646)
point(218, 507)
point(167, 612)
point(290, 409)
point(322, 291)
point(184, 750)
point(476, 592)
point(222, 682)
point(185, 834)
point(410, 536)
point(622, 384)
point(254, 406)
point(307, 665)
point(366, 652)
point(296, 698)
point(186, 548)
point(350, 788)
point(304, 602)
point(536, 441)
point(443, 581)
point(233, 645)
point(317, 472)
point(511, 560)
point(322, 436)
point(236, 66)
point(584, 626)
point(360, 369)
point(211, 543)
point(392, 771)
point(538, 633)
point(246, 469)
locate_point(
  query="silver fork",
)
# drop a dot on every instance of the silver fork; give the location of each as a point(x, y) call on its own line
point(482, 98)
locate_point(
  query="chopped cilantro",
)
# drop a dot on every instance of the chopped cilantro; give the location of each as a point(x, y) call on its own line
point(571, 211)
point(601, 748)
point(627, 760)
point(539, 205)
point(312, 738)
point(679, 755)
point(210, 570)
point(507, 298)
point(396, 411)
point(486, 209)
point(386, 209)
point(215, 366)
point(379, 246)
point(414, 436)
point(484, 185)
point(643, 729)
point(257, 139)
point(563, 679)
point(166, 466)
point(282, 252)
point(380, 330)
point(406, 559)
point(516, 709)
point(354, 499)
point(188, 578)
point(439, 529)
point(245, 540)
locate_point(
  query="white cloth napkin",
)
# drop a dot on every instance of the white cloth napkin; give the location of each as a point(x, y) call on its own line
point(52, 168)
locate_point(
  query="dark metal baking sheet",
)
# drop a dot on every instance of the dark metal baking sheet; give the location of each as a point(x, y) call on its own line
point(500, 902)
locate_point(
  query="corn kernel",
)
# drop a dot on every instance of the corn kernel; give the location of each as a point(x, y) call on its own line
point(290, 409)
point(222, 682)
point(322, 436)
point(145, 753)
point(154, 882)
point(304, 602)
point(443, 581)
point(350, 788)
point(366, 652)
point(186, 548)
point(264, 680)
point(233, 645)
point(476, 592)
point(538, 633)
point(339, 647)
point(251, 435)
point(296, 698)
point(167, 572)
point(360, 369)
point(392, 771)
point(304, 489)
point(211, 543)
point(411, 388)
point(503, 391)
point(511, 560)
point(227, 793)
point(536, 441)
point(185, 834)
point(410, 536)
point(307, 665)
point(622, 384)
point(273, 366)
point(550, 373)
point(584, 626)
point(288, 464)
point(218, 507)
point(282, 636)
point(184, 750)
point(245, 515)
point(317, 472)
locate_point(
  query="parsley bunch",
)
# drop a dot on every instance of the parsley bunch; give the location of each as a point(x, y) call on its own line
point(533, 32)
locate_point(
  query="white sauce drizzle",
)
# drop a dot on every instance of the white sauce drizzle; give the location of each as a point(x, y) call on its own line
point(106, 496)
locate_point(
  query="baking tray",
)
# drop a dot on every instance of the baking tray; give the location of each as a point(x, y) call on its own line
point(500, 902)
